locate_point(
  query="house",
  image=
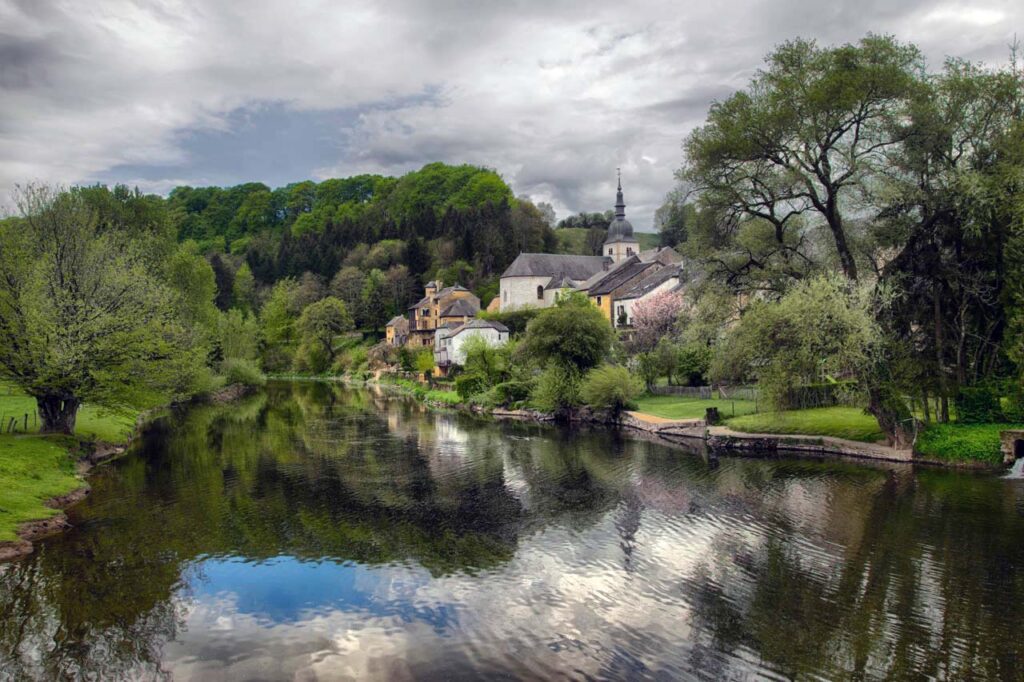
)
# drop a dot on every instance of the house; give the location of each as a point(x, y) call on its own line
point(668, 278)
point(396, 331)
point(450, 341)
point(439, 305)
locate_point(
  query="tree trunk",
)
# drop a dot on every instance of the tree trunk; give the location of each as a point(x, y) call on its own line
point(896, 424)
point(942, 415)
point(57, 413)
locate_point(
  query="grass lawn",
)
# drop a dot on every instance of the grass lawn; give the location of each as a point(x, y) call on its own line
point(963, 442)
point(851, 423)
point(681, 407)
point(32, 470)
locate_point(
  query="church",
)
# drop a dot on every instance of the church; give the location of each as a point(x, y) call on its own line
point(622, 270)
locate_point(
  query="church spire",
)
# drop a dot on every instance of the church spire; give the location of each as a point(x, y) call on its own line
point(620, 204)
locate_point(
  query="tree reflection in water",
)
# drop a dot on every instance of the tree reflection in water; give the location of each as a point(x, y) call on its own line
point(296, 531)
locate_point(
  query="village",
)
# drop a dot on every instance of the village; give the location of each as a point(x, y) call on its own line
point(616, 281)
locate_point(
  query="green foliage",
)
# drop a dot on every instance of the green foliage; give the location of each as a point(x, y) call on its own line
point(424, 361)
point(488, 361)
point(573, 334)
point(319, 325)
point(821, 326)
point(649, 369)
point(610, 387)
point(469, 384)
point(978, 405)
point(962, 442)
point(242, 371)
point(557, 388)
point(693, 361)
point(244, 288)
point(238, 335)
point(450, 398)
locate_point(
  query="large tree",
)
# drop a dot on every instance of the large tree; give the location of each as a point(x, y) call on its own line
point(800, 149)
point(83, 315)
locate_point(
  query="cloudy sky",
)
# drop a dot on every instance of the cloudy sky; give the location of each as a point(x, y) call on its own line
point(553, 94)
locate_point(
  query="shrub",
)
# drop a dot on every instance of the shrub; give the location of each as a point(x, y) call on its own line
point(557, 388)
point(978, 405)
point(242, 371)
point(445, 397)
point(510, 392)
point(469, 384)
point(963, 442)
point(610, 387)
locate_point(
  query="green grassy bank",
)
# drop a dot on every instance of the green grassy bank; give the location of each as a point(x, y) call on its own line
point(679, 407)
point(851, 423)
point(35, 468)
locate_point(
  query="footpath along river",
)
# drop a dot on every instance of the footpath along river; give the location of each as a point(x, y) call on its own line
point(319, 532)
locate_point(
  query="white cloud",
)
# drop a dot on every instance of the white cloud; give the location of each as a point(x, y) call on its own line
point(553, 94)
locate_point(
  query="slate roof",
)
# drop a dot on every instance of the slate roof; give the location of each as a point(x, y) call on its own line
point(481, 324)
point(422, 303)
point(560, 281)
point(397, 319)
point(652, 282)
point(556, 264)
point(460, 307)
point(629, 270)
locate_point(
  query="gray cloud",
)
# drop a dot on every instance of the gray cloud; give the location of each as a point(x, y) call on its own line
point(553, 94)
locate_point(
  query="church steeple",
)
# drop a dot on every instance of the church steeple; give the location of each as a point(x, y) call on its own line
point(620, 204)
point(620, 244)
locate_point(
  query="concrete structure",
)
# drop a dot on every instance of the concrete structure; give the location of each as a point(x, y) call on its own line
point(450, 341)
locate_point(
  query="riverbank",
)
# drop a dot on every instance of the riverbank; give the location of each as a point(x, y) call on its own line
point(858, 439)
point(43, 475)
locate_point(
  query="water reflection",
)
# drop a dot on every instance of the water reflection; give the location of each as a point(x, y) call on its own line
point(318, 532)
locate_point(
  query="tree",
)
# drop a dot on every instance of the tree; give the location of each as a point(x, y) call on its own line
point(244, 288)
point(373, 303)
point(655, 318)
point(573, 334)
point(224, 279)
point(238, 335)
point(83, 316)
point(672, 219)
point(320, 323)
point(424, 362)
point(803, 145)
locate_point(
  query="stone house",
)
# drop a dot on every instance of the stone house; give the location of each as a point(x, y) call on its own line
point(440, 305)
point(449, 342)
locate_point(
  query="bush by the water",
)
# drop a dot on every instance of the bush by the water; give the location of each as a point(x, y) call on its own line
point(962, 442)
point(469, 384)
point(610, 387)
point(557, 388)
point(242, 371)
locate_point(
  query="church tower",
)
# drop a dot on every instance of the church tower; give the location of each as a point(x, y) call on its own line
point(620, 244)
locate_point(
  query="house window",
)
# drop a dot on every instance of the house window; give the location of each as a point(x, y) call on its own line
point(629, 250)
point(599, 300)
point(504, 295)
point(609, 252)
point(540, 292)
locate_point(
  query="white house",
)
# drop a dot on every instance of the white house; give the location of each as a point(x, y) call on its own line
point(667, 279)
point(450, 341)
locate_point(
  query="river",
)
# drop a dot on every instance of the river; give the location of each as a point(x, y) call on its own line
point(316, 532)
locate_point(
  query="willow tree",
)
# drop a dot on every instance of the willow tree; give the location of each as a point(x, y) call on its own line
point(84, 315)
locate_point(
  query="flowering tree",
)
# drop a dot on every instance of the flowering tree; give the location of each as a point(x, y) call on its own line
point(654, 319)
